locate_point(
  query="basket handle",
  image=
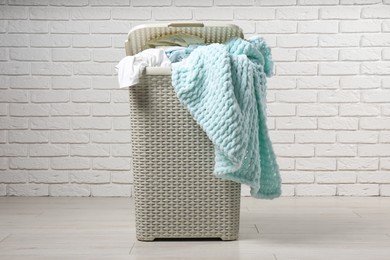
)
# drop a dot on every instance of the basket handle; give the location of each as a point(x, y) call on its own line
point(186, 25)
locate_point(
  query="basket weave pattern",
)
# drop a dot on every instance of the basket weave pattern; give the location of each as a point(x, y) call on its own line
point(176, 193)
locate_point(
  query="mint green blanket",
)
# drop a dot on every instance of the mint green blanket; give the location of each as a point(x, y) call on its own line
point(224, 88)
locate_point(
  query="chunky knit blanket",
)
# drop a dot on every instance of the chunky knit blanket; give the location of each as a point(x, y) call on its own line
point(224, 88)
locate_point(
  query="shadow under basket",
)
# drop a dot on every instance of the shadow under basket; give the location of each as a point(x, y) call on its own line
point(176, 193)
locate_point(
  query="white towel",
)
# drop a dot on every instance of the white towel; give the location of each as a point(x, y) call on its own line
point(130, 68)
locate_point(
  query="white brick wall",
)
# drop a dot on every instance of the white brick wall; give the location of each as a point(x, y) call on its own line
point(64, 126)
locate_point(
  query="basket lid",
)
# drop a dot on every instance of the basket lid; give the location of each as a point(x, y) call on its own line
point(210, 32)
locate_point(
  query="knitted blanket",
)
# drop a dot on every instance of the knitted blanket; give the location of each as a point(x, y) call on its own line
point(224, 88)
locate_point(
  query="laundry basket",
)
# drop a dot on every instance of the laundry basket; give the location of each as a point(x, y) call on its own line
point(176, 193)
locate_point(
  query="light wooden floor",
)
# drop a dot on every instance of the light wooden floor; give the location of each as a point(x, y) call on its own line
point(284, 228)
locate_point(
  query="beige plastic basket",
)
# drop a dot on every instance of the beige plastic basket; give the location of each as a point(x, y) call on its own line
point(176, 193)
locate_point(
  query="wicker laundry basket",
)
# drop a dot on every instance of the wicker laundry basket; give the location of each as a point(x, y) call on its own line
point(176, 193)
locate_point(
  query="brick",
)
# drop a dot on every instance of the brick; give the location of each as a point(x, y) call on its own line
point(358, 190)
point(337, 123)
point(110, 110)
point(384, 190)
point(119, 96)
point(28, 2)
point(317, 164)
point(276, 27)
point(340, 12)
point(111, 137)
point(3, 163)
point(108, 55)
point(384, 163)
point(210, 14)
point(386, 110)
point(294, 150)
point(49, 96)
point(28, 110)
point(318, 27)
point(360, 2)
point(69, 137)
point(90, 96)
point(384, 137)
point(49, 123)
point(335, 177)
point(111, 163)
point(72, 82)
point(47, 150)
point(297, 96)
point(27, 26)
point(13, 150)
point(318, 2)
point(108, 82)
point(370, 177)
point(48, 177)
point(51, 69)
point(357, 26)
point(3, 136)
point(111, 190)
point(29, 163)
point(297, 41)
point(317, 136)
point(122, 177)
point(28, 190)
point(13, 123)
point(299, 13)
point(210, 2)
point(281, 83)
point(296, 68)
point(373, 150)
point(357, 137)
point(3, 109)
point(386, 83)
point(386, 54)
point(110, 2)
point(69, 110)
point(297, 177)
point(90, 13)
point(357, 164)
point(121, 123)
point(151, 2)
point(69, 27)
point(315, 190)
point(28, 136)
point(296, 123)
point(286, 164)
point(386, 26)
point(375, 68)
point(4, 54)
point(111, 27)
point(335, 150)
point(280, 110)
point(90, 177)
point(279, 54)
point(90, 150)
point(359, 54)
point(374, 39)
point(340, 68)
point(288, 191)
point(317, 54)
point(375, 12)
point(29, 82)
point(375, 123)
point(69, 190)
point(29, 54)
point(92, 41)
point(318, 82)
point(338, 96)
point(13, 13)
point(254, 13)
point(317, 110)
point(69, 2)
point(85, 123)
point(359, 82)
point(132, 13)
point(14, 96)
point(69, 163)
point(359, 110)
point(87, 68)
point(14, 68)
point(339, 40)
point(49, 13)
point(276, 3)
point(13, 177)
point(121, 150)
